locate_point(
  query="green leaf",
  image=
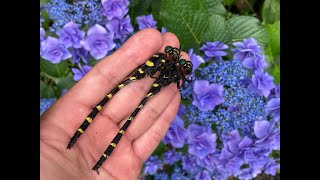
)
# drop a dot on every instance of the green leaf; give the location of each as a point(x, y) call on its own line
point(183, 19)
point(46, 91)
point(55, 70)
point(138, 8)
point(242, 27)
point(228, 2)
point(218, 9)
point(274, 43)
point(275, 72)
point(217, 30)
point(271, 11)
point(65, 82)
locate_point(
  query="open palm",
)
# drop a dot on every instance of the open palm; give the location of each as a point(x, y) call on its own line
point(146, 131)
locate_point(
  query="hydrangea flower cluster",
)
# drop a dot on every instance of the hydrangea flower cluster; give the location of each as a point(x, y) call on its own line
point(229, 122)
point(108, 27)
point(232, 119)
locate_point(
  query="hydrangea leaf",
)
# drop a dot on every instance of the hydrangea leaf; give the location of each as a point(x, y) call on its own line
point(46, 91)
point(274, 43)
point(55, 70)
point(65, 82)
point(275, 72)
point(217, 8)
point(217, 30)
point(188, 19)
point(271, 11)
point(242, 27)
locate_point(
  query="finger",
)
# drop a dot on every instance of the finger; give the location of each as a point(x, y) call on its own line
point(156, 105)
point(148, 142)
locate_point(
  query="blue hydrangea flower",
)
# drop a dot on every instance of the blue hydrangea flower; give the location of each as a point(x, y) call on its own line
point(78, 54)
point(120, 27)
point(176, 134)
point(249, 48)
point(271, 167)
point(53, 51)
point(79, 73)
point(248, 173)
point(163, 30)
point(42, 34)
point(209, 162)
point(201, 141)
point(152, 165)
point(181, 110)
point(45, 103)
point(266, 133)
point(161, 176)
point(204, 175)
point(83, 12)
point(214, 50)
point(115, 8)
point(195, 59)
point(188, 162)
point(170, 157)
point(206, 96)
point(146, 21)
point(261, 83)
point(255, 63)
point(98, 42)
point(273, 108)
point(70, 35)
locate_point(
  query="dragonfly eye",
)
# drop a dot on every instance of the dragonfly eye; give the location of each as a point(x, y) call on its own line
point(167, 49)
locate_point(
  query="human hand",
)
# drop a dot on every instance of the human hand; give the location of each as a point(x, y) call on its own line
point(60, 122)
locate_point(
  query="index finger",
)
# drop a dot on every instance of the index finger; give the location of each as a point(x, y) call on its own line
point(110, 71)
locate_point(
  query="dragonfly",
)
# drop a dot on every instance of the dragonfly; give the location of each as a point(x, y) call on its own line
point(173, 74)
point(155, 64)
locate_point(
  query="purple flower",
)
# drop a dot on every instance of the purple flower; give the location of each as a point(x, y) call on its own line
point(266, 134)
point(206, 96)
point(248, 173)
point(152, 165)
point(176, 134)
point(249, 48)
point(204, 175)
point(170, 157)
point(120, 27)
point(272, 167)
point(42, 34)
point(115, 8)
point(261, 83)
point(275, 92)
point(188, 162)
point(259, 163)
point(70, 35)
point(53, 51)
point(146, 21)
point(80, 53)
point(201, 141)
point(195, 59)
point(231, 145)
point(79, 73)
point(214, 50)
point(209, 162)
point(255, 63)
point(273, 108)
point(98, 42)
point(181, 110)
point(163, 30)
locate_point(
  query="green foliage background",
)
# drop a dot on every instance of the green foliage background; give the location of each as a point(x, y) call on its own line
point(194, 22)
